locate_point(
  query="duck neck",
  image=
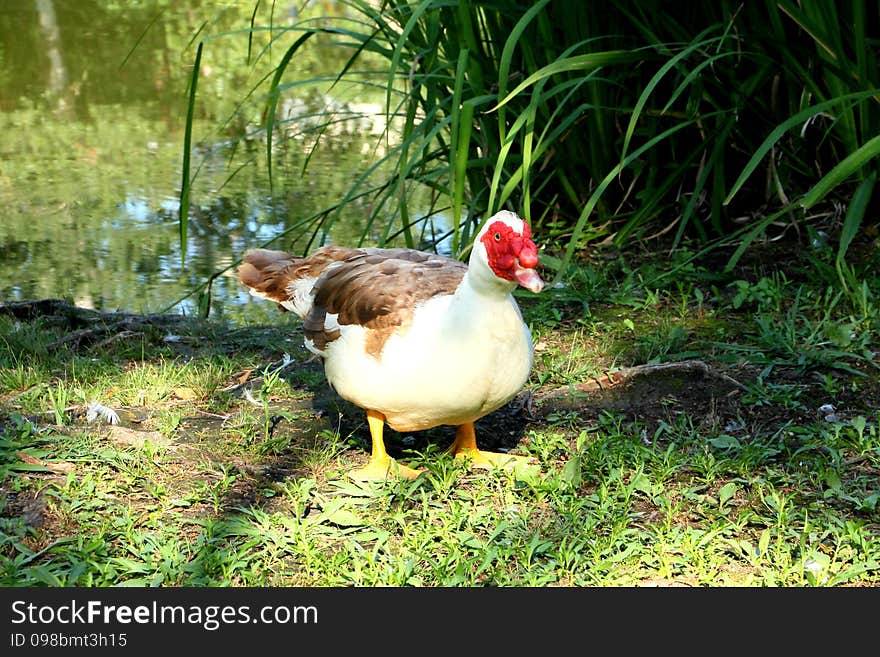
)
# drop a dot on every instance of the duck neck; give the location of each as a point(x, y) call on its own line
point(482, 281)
point(485, 287)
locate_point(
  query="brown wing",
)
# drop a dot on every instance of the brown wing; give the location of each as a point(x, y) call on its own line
point(378, 289)
point(271, 274)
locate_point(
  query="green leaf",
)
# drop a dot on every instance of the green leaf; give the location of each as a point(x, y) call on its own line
point(344, 518)
point(251, 32)
point(642, 483)
point(204, 301)
point(832, 480)
point(461, 161)
point(400, 51)
point(727, 491)
point(469, 540)
point(859, 423)
point(724, 442)
point(134, 582)
point(527, 473)
point(839, 334)
point(507, 55)
point(571, 472)
point(43, 574)
point(29, 467)
point(334, 513)
point(869, 503)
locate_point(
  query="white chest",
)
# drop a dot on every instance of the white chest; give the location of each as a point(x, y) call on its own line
point(458, 361)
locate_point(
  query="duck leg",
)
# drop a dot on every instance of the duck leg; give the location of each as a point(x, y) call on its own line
point(465, 447)
point(381, 466)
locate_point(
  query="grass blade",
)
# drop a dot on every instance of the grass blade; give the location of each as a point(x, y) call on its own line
point(847, 167)
point(272, 101)
point(507, 55)
point(586, 62)
point(137, 41)
point(456, 175)
point(597, 193)
point(855, 213)
point(398, 53)
point(654, 81)
point(466, 120)
point(784, 127)
point(185, 183)
point(751, 236)
point(251, 32)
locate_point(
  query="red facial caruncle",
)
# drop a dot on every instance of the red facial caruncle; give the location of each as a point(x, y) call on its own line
point(513, 256)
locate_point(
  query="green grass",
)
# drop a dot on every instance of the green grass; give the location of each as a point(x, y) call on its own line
point(200, 486)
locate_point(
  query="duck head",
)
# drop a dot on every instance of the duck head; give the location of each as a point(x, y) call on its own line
point(504, 245)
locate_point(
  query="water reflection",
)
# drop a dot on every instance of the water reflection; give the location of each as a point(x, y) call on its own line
point(92, 112)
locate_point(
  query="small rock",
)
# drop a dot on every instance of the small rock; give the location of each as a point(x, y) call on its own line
point(820, 241)
point(138, 439)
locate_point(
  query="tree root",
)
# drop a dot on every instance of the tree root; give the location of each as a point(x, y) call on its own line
point(643, 386)
point(627, 375)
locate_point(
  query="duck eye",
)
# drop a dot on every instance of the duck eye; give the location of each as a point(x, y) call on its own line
point(497, 237)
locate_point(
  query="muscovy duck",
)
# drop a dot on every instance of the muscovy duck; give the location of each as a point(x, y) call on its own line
point(415, 339)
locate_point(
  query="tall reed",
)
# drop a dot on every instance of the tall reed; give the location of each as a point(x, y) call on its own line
point(605, 122)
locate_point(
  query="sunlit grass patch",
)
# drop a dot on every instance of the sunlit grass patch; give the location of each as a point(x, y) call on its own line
point(228, 466)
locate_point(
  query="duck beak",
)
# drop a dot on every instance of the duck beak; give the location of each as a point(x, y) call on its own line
point(529, 279)
point(527, 260)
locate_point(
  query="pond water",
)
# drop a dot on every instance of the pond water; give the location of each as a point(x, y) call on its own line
point(93, 103)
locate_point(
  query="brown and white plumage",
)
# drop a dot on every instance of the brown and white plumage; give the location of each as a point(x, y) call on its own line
point(416, 339)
